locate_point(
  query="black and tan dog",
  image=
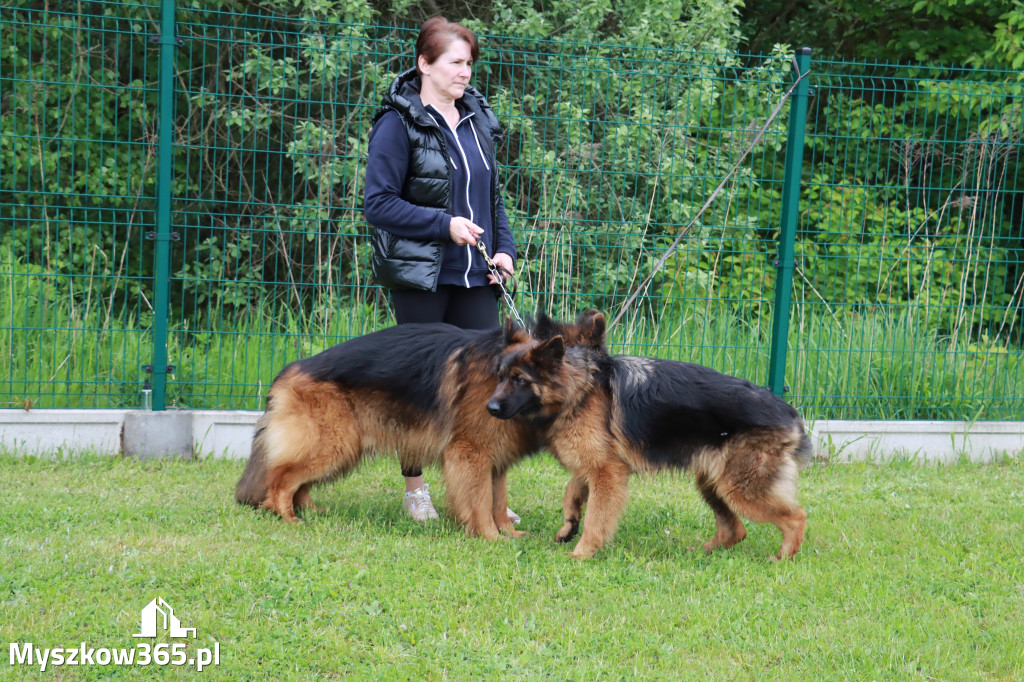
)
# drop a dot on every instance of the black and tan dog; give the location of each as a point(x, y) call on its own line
point(418, 389)
point(609, 416)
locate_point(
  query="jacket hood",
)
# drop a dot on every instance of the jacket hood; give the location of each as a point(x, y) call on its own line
point(403, 95)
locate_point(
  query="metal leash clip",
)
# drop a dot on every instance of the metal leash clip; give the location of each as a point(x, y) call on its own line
point(499, 274)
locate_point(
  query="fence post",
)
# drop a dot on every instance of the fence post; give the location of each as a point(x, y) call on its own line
point(787, 234)
point(168, 41)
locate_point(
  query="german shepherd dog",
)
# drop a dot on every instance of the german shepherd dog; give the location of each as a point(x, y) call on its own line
point(609, 416)
point(420, 389)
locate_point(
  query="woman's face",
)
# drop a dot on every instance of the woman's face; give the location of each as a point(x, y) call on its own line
point(449, 75)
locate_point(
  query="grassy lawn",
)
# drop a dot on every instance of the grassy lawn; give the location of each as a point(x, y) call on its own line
point(908, 572)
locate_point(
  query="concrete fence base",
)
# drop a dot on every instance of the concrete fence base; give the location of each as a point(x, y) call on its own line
point(228, 433)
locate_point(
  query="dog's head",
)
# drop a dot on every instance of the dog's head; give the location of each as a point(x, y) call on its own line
point(587, 332)
point(531, 381)
point(527, 373)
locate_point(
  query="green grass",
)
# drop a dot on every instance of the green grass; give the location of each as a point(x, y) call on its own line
point(908, 572)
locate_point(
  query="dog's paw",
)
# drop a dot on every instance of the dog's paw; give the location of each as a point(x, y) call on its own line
point(489, 532)
point(582, 553)
point(781, 556)
point(567, 532)
point(711, 545)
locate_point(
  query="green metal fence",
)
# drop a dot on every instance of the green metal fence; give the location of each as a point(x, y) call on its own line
point(181, 191)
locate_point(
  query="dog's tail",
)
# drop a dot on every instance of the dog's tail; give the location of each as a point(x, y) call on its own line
point(252, 487)
point(804, 452)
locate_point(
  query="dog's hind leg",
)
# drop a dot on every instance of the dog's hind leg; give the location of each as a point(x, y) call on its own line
point(730, 529)
point(283, 484)
point(793, 524)
point(310, 433)
point(288, 486)
point(769, 496)
point(783, 510)
point(576, 493)
point(609, 493)
point(786, 515)
point(298, 465)
point(303, 500)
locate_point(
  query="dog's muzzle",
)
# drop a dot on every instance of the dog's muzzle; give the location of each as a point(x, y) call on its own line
point(494, 408)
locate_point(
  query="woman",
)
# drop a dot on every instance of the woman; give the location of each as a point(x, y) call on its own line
point(431, 193)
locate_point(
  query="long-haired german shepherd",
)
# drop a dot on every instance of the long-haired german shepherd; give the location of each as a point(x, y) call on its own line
point(609, 416)
point(420, 389)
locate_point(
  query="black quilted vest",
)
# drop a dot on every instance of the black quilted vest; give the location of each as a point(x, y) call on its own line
point(399, 262)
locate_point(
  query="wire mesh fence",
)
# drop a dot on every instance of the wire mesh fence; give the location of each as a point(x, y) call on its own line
point(906, 283)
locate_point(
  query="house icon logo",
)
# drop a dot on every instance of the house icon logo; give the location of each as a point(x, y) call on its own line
point(158, 611)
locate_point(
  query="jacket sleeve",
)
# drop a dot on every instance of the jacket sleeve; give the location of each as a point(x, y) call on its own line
point(504, 242)
point(386, 166)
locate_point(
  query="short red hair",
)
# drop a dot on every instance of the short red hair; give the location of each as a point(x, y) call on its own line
point(437, 33)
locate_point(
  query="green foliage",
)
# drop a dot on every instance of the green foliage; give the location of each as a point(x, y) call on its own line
point(623, 160)
point(620, 120)
point(864, 364)
point(975, 33)
point(64, 349)
point(704, 25)
point(279, 140)
point(904, 359)
point(1007, 42)
point(76, 181)
point(229, 266)
point(926, 225)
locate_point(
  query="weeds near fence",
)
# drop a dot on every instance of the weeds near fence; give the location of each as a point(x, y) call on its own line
point(62, 354)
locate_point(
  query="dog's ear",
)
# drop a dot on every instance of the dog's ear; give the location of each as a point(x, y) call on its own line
point(545, 327)
point(512, 333)
point(549, 354)
point(591, 328)
point(509, 330)
point(596, 328)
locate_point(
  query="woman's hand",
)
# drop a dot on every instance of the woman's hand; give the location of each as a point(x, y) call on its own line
point(464, 231)
point(504, 261)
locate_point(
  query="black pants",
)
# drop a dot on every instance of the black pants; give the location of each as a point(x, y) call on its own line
point(472, 308)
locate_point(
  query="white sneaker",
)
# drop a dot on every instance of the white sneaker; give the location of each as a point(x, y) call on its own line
point(417, 504)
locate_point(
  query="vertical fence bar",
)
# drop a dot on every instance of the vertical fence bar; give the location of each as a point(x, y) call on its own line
point(787, 233)
point(162, 266)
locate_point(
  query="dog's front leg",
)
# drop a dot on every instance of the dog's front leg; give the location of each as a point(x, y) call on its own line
point(609, 493)
point(572, 508)
point(499, 506)
point(469, 490)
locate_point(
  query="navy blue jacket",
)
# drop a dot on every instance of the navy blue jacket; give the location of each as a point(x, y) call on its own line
point(419, 174)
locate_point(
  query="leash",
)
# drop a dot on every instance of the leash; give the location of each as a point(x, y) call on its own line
point(672, 247)
point(499, 274)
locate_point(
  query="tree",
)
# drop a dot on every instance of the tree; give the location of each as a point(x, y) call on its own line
point(957, 32)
